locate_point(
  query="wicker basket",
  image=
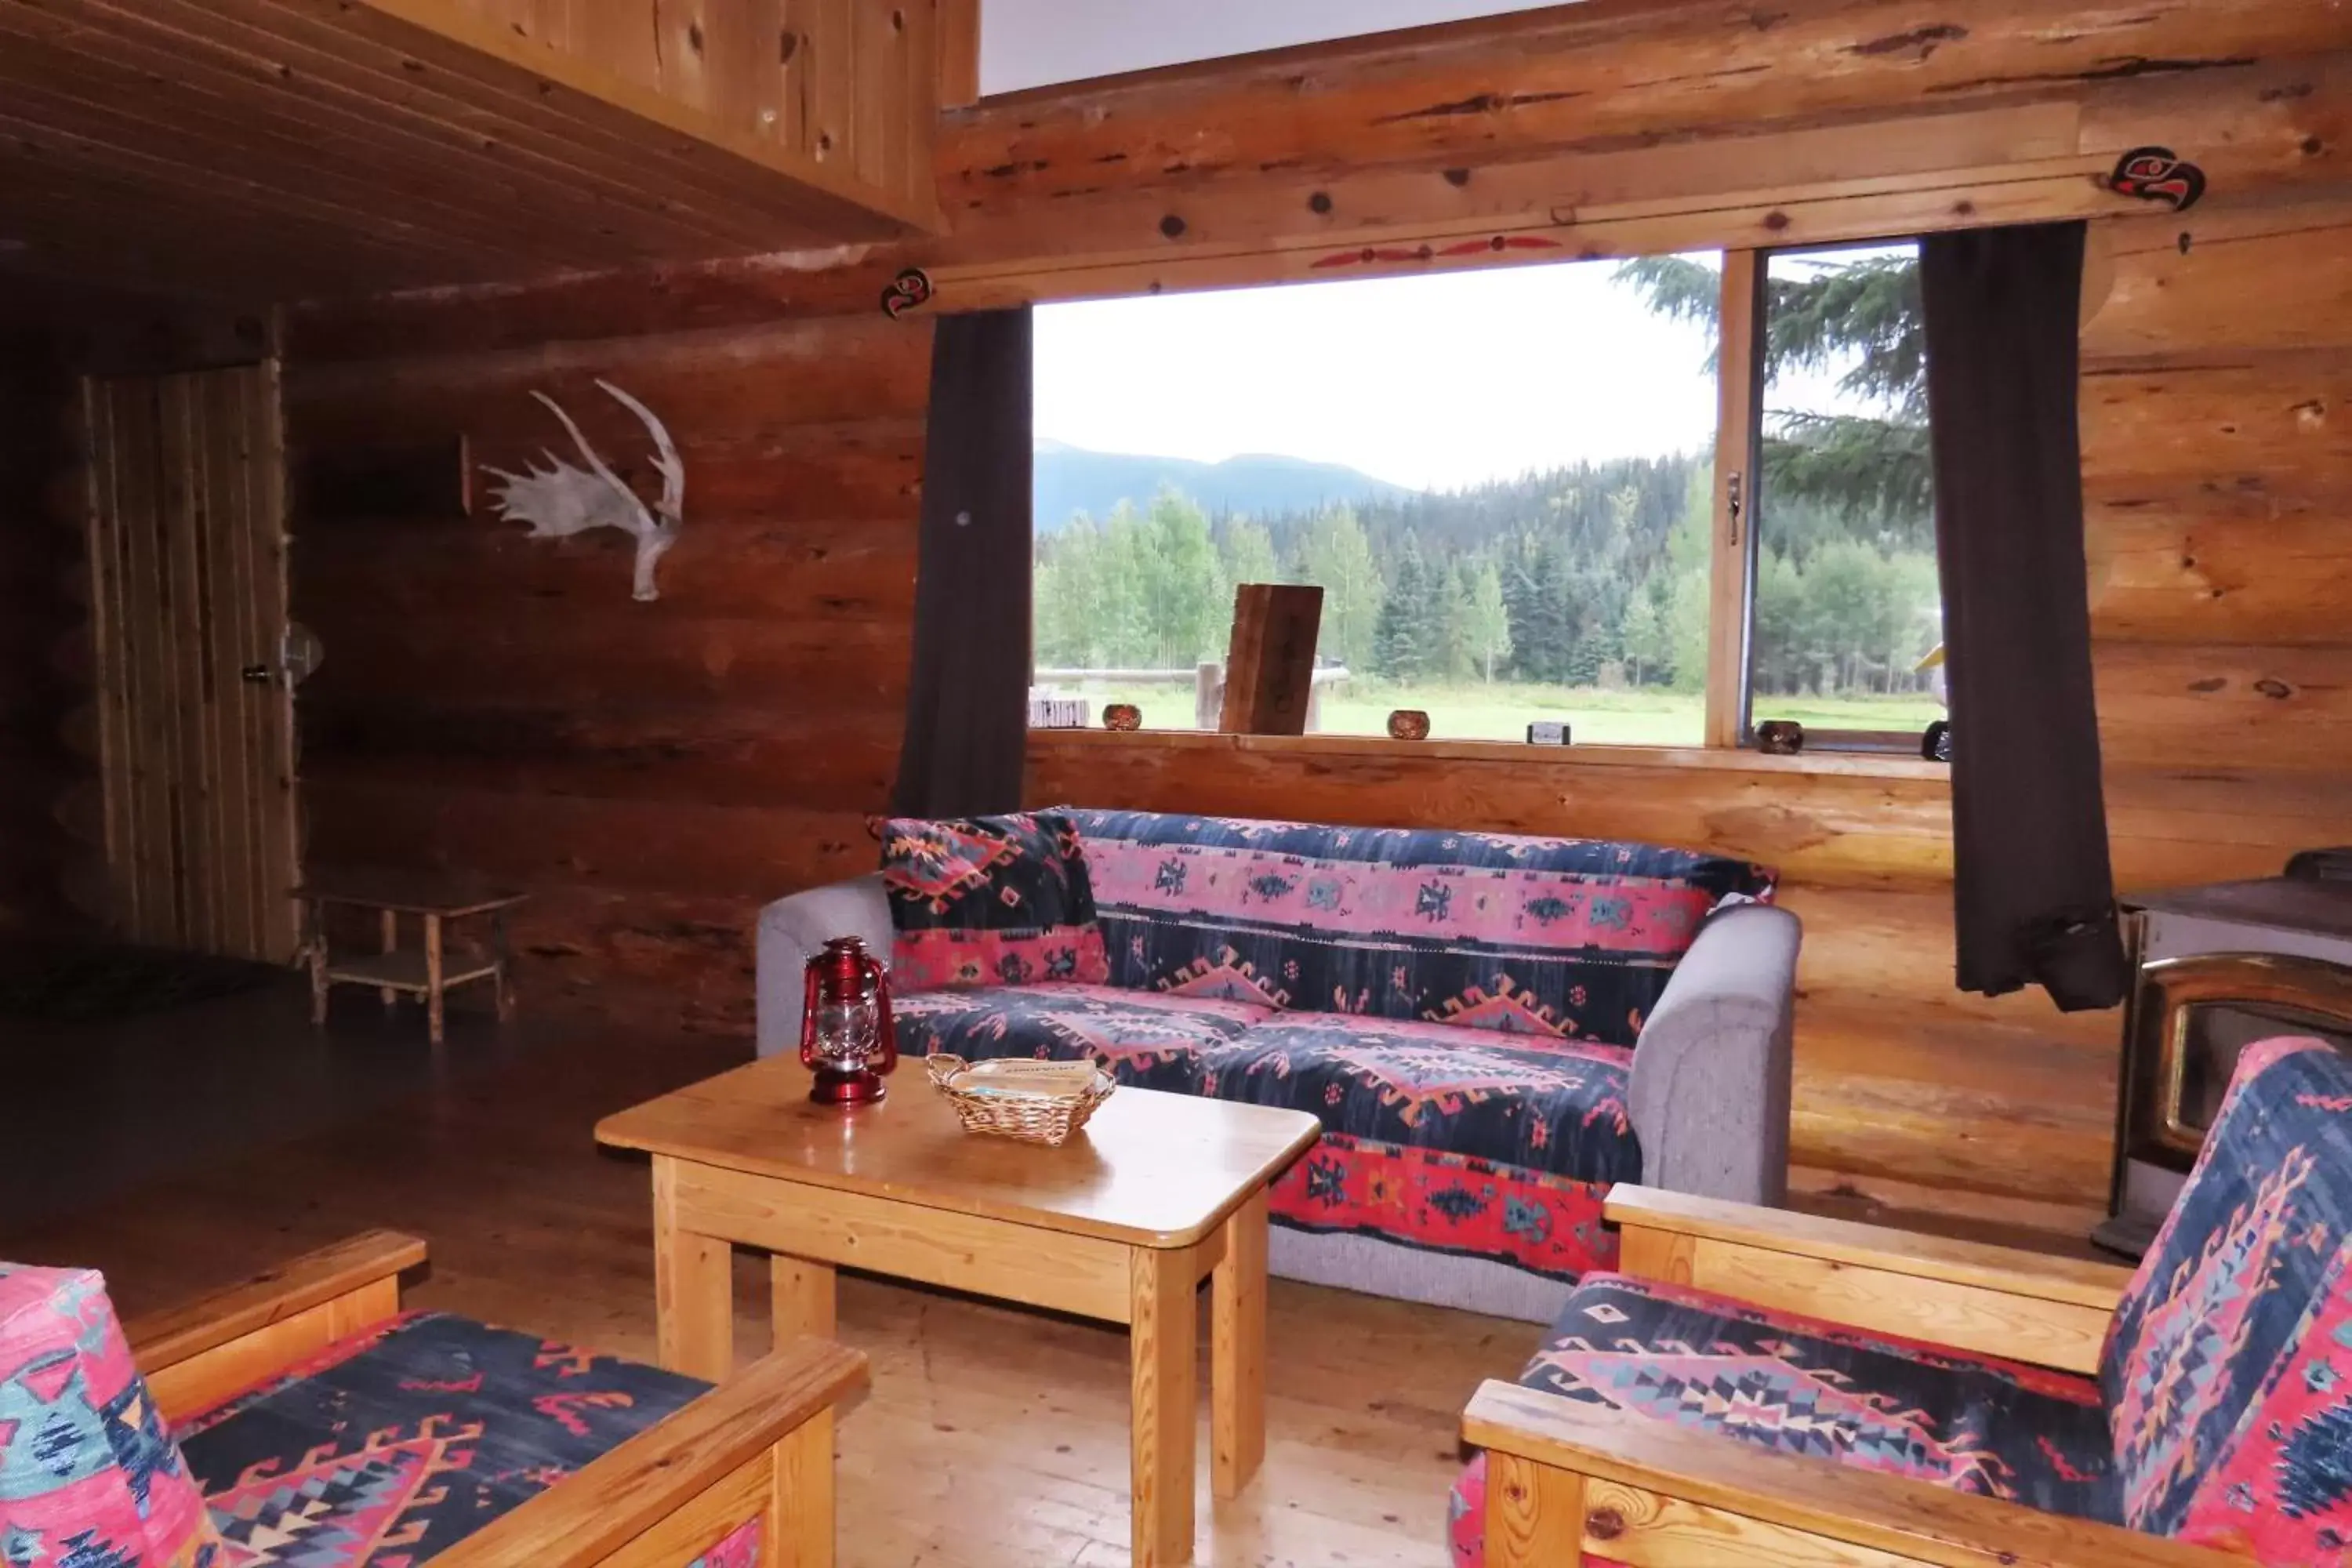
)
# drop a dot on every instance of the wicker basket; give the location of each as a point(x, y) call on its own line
point(1037, 1103)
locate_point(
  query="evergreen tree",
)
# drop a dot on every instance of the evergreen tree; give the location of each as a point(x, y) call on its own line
point(1403, 646)
point(1821, 313)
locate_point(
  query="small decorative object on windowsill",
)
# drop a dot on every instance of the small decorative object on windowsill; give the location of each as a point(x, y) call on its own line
point(1057, 713)
point(1122, 716)
point(1408, 724)
point(1014, 1096)
point(1779, 737)
point(1935, 742)
point(1547, 732)
point(847, 1039)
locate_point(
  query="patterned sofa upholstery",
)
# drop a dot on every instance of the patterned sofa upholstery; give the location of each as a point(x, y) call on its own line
point(1473, 1017)
point(2221, 1414)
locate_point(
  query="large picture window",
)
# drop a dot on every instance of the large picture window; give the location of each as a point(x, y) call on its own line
point(1500, 480)
point(1662, 501)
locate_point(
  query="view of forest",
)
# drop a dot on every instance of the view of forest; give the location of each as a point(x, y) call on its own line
point(1579, 592)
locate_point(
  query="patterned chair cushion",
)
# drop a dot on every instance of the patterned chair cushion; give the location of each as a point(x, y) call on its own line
point(1151, 1042)
point(419, 1431)
point(2230, 1365)
point(88, 1474)
point(1804, 1386)
point(1558, 1108)
point(1550, 937)
point(990, 900)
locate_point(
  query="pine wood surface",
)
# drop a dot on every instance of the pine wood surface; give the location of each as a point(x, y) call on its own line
point(1617, 1482)
point(185, 525)
point(1149, 1169)
point(993, 1437)
point(266, 150)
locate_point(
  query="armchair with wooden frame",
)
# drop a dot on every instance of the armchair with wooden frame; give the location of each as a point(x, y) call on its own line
point(748, 1462)
point(2218, 1380)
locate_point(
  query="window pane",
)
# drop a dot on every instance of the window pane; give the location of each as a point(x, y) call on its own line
point(1846, 601)
point(1500, 480)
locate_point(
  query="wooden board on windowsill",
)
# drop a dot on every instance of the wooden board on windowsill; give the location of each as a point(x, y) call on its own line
point(1850, 764)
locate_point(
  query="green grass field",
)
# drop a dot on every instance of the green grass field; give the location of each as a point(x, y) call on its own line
point(1638, 717)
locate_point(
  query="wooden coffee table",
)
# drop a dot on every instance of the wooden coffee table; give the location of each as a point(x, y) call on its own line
point(1118, 1224)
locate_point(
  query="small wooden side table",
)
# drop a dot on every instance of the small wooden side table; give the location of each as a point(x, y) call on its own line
point(428, 971)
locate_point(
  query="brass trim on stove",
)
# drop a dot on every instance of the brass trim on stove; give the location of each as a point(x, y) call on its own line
point(2300, 991)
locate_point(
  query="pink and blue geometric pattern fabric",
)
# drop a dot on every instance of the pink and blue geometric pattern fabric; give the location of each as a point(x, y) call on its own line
point(1151, 1042)
point(2230, 1365)
point(990, 900)
point(1434, 1200)
point(397, 1443)
point(1558, 1107)
point(1800, 1386)
point(1556, 937)
point(88, 1477)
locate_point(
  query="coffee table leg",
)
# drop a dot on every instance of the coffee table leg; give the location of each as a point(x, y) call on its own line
point(694, 1289)
point(1159, 1466)
point(1237, 1351)
point(802, 1298)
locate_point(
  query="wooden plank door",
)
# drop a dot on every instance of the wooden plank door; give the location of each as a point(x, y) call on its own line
point(187, 549)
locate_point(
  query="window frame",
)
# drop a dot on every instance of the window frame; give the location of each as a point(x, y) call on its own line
point(1729, 719)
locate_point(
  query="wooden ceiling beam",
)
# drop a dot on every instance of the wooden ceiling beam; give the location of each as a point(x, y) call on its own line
point(1621, 126)
point(1600, 76)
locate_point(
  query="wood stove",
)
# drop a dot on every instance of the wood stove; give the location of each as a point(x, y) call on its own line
point(2217, 968)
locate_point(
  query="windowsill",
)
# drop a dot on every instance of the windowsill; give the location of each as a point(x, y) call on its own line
point(1847, 764)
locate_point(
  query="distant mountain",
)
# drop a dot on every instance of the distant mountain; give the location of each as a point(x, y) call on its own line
point(1070, 480)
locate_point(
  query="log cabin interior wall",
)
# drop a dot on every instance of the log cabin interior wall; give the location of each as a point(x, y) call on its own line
point(43, 653)
point(655, 772)
point(500, 707)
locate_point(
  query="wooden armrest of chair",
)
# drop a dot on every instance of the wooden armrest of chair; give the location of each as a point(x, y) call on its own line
point(1562, 1474)
point(1994, 1300)
point(759, 1444)
point(196, 1354)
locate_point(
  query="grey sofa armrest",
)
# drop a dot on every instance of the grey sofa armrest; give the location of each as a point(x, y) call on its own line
point(793, 929)
point(1710, 1084)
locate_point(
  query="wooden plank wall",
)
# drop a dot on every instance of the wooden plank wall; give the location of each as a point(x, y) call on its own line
point(43, 646)
point(846, 83)
point(187, 589)
point(499, 706)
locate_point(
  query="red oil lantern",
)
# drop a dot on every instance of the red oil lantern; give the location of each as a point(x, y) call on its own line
point(846, 1035)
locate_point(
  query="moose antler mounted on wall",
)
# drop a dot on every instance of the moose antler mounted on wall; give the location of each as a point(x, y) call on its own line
point(561, 499)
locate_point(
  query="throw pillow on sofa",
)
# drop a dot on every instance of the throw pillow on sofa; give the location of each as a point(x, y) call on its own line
point(990, 900)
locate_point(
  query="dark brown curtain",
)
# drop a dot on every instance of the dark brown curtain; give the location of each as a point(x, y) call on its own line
point(2033, 894)
point(968, 699)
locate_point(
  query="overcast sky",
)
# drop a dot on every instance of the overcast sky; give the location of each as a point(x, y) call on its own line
point(1027, 43)
point(1434, 380)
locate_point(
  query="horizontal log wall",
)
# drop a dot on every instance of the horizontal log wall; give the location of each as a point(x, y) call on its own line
point(44, 642)
point(655, 772)
point(498, 706)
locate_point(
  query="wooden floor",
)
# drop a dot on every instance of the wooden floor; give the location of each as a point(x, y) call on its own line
point(991, 1438)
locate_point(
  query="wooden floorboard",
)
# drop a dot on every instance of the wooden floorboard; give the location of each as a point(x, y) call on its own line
point(992, 1437)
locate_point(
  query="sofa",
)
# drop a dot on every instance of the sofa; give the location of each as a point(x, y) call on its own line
point(1492, 1028)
